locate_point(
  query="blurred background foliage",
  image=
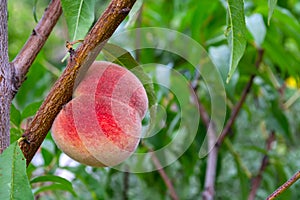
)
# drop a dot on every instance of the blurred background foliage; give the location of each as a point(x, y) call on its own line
point(272, 105)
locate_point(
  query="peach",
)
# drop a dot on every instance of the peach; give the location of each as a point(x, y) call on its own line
point(101, 125)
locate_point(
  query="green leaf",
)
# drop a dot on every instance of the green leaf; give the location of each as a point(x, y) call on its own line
point(15, 134)
point(236, 34)
point(31, 109)
point(272, 5)
point(15, 115)
point(54, 186)
point(79, 15)
point(60, 183)
point(34, 10)
point(13, 178)
point(280, 118)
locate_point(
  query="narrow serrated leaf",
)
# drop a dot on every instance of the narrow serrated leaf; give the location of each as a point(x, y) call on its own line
point(14, 183)
point(60, 183)
point(79, 15)
point(272, 5)
point(237, 34)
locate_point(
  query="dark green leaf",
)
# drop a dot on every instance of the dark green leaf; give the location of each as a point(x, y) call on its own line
point(15, 115)
point(52, 178)
point(237, 34)
point(13, 177)
point(34, 10)
point(31, 109)
point(15, 134)
point(79, 15)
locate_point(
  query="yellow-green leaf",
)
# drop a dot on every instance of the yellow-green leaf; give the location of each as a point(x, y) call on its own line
point(236, 34)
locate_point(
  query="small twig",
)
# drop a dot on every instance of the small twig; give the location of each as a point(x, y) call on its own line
point(208, 193)
point(162, 173)
point(165, 177)
point(210, 175)
point(285, 186)
point(209, 189)
point(265, 161)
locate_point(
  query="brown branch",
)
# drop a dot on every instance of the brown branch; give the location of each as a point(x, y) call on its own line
point(164, 176)
point(238, 106)
point(285, 186)
point(210, 175)
point(35, 42)
point(213, 143)
point(126, 185)
point(265, 161)
point(162, 173)
point(62, 90)
point(5, 80)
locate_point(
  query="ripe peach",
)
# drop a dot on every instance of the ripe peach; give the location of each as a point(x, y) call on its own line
point(101, 125)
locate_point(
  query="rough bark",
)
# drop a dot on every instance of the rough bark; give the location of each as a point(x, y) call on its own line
point(5, 80)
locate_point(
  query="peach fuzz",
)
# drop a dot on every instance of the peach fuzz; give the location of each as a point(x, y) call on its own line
point(101, 125)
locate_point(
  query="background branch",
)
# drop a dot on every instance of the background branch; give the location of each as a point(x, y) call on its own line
point(210, 175)
point(62, 90)
point(162, 173)
point(264, 163)
point(213, 143)
point(35, 42)
point(164, 176)
point(238, 106)
point(285, 186)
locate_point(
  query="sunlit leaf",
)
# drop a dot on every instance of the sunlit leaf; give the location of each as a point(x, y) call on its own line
point(15, 115)
point(272, 5)
point(79, 15)
point(61, 183)
point(14, 183)
point(236, 34)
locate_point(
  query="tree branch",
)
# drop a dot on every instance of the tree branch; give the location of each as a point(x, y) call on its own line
point(238, 106)
point(210, 175)
point(5, 80)
point(213, 143)
point(35, 42)
point(285, 186)
point(164, 176)
point(62, 90)
point(265, 161)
